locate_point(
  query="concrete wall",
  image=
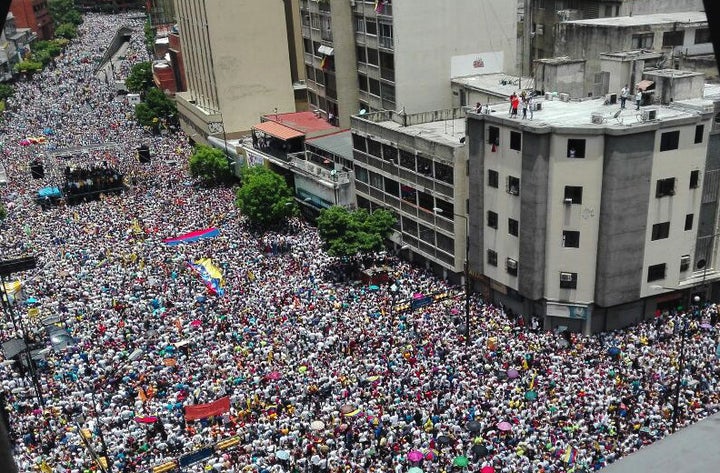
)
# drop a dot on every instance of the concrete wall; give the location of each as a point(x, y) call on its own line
point(533, 214)
point(345, 58)
point(427, 35)
point(476, 155)
point(566, 78)
point(585, 217)
point(623, 217)
point(647, 7)
point(250, 62)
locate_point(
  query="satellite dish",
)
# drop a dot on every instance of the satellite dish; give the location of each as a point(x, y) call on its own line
point(362, 111)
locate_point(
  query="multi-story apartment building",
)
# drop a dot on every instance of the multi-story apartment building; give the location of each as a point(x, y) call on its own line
point(33, 14)
point(233, 75)
point(591, 217)
point(416, 166)
point(161, 12)
point(14, 44)
point(400, 54)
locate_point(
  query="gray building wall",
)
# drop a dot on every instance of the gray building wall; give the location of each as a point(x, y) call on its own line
point(533, 213)
point(476, 209)
point(623, 215)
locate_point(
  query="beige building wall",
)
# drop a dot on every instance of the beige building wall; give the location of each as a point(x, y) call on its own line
point(435, 41)
point(240, 70)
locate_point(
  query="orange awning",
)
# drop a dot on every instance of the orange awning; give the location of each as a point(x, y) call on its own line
point(279, 131)
point(644, 84)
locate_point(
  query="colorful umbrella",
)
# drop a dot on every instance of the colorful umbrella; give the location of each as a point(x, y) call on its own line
point(479, 450)
point(474, 426)
point(146, 420)
point(415, 455)
point(282, 455)
point(443, 440)
point(317, 425)
point(513, 373)
point(487, 469)
point(460, 461)
point(274, 375)
point(613, 351)
point(196, 323)
point(531, 395)
point(504, 426)
point(353, 413)
point(347, 408)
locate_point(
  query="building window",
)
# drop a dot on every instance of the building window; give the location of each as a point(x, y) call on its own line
point(669, 140)
point(374, 148)
point(444, 173)
point(573, 194)
point(492, 257)
point(642, 41)
point(493, 178)
point(371, 27)
point(576, 148)
point(513, 227)
point(359, 24)
point(571, 239)
point(492, 219)
point(407, 159)
point(513, 185)
point(656, 272)
point(374, 86)
point(702, 35)
point(684, 263)
point(660, 231)
point(362, 82)
point(673, 38)
point(360, 53)
point(699, 132)
point(372, 57)
point(392, 187)
point(361, 174)
point(376, 180)
point(359, 143)
point(694, 179)
point(515, 140)
point(493, 135)
point(665, 187)
point(568, 280)
point(689, 221)
point(511, 266)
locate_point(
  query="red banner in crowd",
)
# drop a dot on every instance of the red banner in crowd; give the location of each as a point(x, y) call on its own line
point(201, 411)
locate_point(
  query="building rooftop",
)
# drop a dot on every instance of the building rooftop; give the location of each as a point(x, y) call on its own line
point(306, 122)
point(671, 73)
point(446, 132)
point(633, 54)
point(500, 85)
point(576, 114)
point(689, 17)
point(339, 144)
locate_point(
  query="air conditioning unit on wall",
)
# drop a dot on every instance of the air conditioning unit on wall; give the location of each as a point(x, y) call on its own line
point(649, 114)
point(566, 277)
point(564, 97)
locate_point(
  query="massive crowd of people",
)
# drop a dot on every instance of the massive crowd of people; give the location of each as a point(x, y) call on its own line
point(320, 372)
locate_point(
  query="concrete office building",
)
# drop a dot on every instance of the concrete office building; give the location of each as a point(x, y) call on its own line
point(415, 165)
point(233, 75)
point(591, 218)
point(540, 25)
point(680, 36)
point(401, 54)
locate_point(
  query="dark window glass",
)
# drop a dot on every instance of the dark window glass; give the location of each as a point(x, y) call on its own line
point(515, 140)
point(513, 227)
point(374, 87)
point(665, 187)
point(371, 27)
point(660, 231)
point(443, 172)
point(513, 185)
point(424, 166)
point(673, 38)
point(699, 132)
point(407, 159)
point(669, 140)
point(359, 143)
point(389, 153)
point(493, 178)
point(374, 148)
point(689, 221)
point(576, 149)
point(694, 179)
point(656, 272)
point(702, 35)
point(426, 201)
point(571, 239)
point(392, 187)
point(492, 219)
point(372, 56)
point(492, 257)
point(493, 135)
point(573, 194)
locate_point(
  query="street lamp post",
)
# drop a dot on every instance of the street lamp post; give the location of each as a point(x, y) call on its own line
point(466, 272)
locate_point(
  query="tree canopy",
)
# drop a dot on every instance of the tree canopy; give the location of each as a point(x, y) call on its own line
point(156, 107)
point(66, 30)
point(350, 233)
point(29, 66)
point(64, 11)
point(6, 91)
point(140, 78)
point(264, 197)
point(211, 165)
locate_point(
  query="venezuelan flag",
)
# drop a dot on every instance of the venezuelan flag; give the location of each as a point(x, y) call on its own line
point(209, 274)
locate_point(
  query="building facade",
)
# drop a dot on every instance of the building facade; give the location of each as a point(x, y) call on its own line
point(540, 24)
point(415, 165)
point(591, 218)
point(401, 54)
point(14, 44)
point(33, 14)
point(233, 75)
point(161, 12)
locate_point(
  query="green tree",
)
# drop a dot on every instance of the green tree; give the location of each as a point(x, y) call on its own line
point(6, 91)
point(156, 107)
point(145, 115)
point(28, 66)
point(52, 48)
point(264, 197)
point(351, 233)
point(64, 11)
point(140, 78)
point(211, 165)
point(66, 30)
point(150, 38)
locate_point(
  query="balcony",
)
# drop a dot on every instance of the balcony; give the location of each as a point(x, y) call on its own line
point(385, 42)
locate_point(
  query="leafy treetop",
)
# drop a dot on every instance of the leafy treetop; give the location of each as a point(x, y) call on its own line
point(264, 197)
point(351, 233)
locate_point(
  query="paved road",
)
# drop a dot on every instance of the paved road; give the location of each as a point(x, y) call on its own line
point(694, 449)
